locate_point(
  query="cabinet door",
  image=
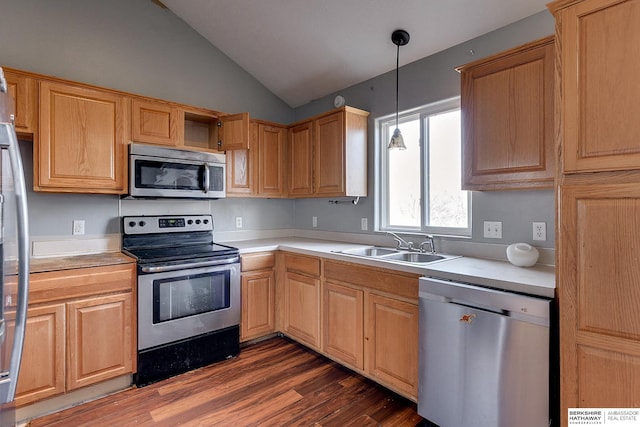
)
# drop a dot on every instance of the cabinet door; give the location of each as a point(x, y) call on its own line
point(242, 168)
point(258, 304)
point(600, 91)
point(329, 155)
point(234, 132)
point(23, 91)
point(302, 308)
point(99, 334)
point(154, 122)
point(271, 160)
point(599, 295)
point(301, 160)
point(83, 138)
point(392, 343)
point(507, 131)
point(342, 326)
point(42, 367)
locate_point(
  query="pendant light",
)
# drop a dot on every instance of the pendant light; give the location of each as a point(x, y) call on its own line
point(399, 38)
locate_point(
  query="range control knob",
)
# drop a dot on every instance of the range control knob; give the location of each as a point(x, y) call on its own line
point(190, 222)
point(206, 221)
point(142, 223)
point(197, 221)
point(132, 223)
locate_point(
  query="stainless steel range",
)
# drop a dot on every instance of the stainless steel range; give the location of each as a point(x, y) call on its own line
point(188, 294)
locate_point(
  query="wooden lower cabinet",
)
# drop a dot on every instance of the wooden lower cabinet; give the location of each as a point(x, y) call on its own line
point(43, 355)
point(99, 337)
point(258, 286)
point(366, 318)
point(392, 342)
point(80, 330)
point(302, 302)
point(343, 332)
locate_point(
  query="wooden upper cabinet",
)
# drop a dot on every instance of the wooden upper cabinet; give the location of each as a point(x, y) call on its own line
point(508, 121)
point(301, 160)
point(260, 170)
point(23, 90)
point(84, 132)
point(154, 122)
point(234, 132)
point(242, 170)
point(328, 155)
point(271, 160)
point(600, 64)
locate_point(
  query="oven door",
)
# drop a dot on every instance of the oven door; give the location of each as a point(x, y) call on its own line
point(152, 176)
point(176, 305)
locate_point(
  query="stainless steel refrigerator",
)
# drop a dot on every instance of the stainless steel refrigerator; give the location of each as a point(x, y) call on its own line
point(14, 251)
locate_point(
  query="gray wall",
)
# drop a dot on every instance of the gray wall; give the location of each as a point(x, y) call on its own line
point(422, 82)
point(137, 47)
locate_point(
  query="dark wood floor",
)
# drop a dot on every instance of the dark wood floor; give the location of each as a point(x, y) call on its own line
point(272, 383)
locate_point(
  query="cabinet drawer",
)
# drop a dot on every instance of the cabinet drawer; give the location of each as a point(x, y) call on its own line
point(302, 264)
point(257, 261)
point(67, 284)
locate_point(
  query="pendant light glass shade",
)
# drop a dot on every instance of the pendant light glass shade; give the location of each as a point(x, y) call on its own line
point(397, 141)
point(399, 38)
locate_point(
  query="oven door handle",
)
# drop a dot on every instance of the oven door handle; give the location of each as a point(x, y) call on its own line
point(210, 263)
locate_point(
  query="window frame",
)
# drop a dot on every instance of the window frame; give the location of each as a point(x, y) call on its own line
point(382, 135)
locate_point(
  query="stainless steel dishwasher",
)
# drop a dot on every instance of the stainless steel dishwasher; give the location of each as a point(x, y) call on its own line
point(484, 356)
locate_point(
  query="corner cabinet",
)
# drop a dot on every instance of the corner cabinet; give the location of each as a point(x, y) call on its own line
point(328, 155)
point(507, 103)
point(83, 137)
point(260, 170)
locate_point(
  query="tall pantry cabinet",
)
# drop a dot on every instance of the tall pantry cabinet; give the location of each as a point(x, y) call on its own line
point(598, 184)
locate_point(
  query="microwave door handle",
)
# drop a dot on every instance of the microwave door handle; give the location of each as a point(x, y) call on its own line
point(207, 178)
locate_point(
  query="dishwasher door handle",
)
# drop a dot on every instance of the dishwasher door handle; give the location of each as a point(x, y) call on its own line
point(527, 308)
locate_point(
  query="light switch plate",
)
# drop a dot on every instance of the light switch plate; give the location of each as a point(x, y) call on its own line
point(493, 229)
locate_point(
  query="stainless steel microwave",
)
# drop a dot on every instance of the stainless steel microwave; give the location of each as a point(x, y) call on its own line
point(174, 173)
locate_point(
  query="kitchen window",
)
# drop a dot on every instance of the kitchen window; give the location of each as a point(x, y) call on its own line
point(419, 188)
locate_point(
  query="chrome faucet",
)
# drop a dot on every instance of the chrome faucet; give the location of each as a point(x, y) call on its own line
point(428, 242)
point(400, 242)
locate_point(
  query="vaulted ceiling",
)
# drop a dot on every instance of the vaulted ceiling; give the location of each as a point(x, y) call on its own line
point(306, 49)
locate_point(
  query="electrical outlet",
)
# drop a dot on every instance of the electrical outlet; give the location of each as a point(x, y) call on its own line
point(78, 227)
point(364, 224)
point(314, 221)
point(493, 229)
point(238, 222)
point(539, 231)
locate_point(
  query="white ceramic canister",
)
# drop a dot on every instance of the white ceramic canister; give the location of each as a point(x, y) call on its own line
point(522, 254)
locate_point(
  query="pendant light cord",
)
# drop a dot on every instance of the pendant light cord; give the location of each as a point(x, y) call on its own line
point(397, 85)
